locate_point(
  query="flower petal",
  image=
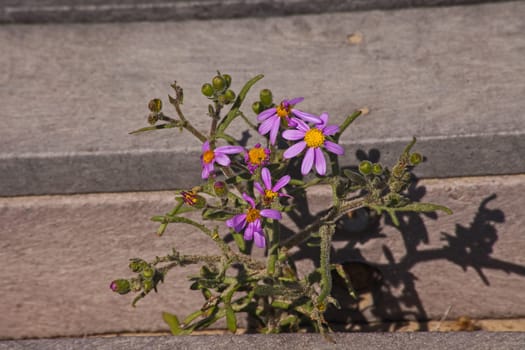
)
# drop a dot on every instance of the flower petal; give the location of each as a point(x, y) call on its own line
point(301, 125)
point(330, 130)
point(266, 177)
point(274, 131)
point(258, 187)
point(229, 149)
point(205, 146)
point(294, 150)
point(283, 181)
point(271, 214)
point(295, 101)
point(324, 119)
point(260, 240)
point(266, 126)
point(308, 161)
point(248, 199)
point(205, 172)
point(248, 233)
point(320, 161)
point(334, 147)
point(237, 222)
point(266, 114)
point(222, 159)
point(306, 116)
point(293, 135)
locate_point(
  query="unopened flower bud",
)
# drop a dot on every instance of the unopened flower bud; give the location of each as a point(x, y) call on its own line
point(218, 83)
point(227, 79)
point(377, 169)
point(148, 272)
point(153, 118)
point(266, 97)
point(365, 167)
point(415, 158)
point(193, 199)
point(120, 286)
point(220, 188)
point(155, 105)
point(207, 90)
point(147, 285)
point(137, 265)
point(257, 107)
point(229, 95)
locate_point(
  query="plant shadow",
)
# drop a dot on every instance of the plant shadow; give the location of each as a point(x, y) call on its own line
point(387, 291)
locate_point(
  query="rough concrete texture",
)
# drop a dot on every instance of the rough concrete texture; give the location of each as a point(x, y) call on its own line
point(44, 11)
point(454, 77)
point(394, 341)
point(60, 253)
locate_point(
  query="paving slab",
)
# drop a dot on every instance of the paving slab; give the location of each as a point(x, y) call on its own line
point(60, 254)
point(452, 76)
point(45, 11)
point(394, 341)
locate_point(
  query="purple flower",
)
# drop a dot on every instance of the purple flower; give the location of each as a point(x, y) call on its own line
point(219, 155)
point(271, 118)
point(269, 192)
point(251, 223)
point(257, 157)
point(313, 139)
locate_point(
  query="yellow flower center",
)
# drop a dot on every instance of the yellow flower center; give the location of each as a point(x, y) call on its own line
point(283, 111)
point(269, 196)
point(314, 138)
point(252, 215)
point(256, 155)
point(208, 156)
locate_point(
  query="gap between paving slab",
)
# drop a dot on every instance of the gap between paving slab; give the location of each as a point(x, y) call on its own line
point(69, 248)
point(451, 76)
point(38, 11)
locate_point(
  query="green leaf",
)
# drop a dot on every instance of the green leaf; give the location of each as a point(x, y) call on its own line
point(173, 323)
point(354, 177)
point(425, 208)
point(215, 214)
point(231, 320)
point(239, 239)
point(155, 127)
point(192, 316)
point(234, 111)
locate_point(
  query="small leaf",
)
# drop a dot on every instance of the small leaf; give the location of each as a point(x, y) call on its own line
point(173, 323)
point(239, 239)
point(425, 208)
point(354, 177)
point(155, 127)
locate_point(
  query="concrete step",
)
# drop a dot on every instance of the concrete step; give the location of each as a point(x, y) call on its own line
point(38, 11)
point(453, 76)
point(394, 341)
point(60, 254)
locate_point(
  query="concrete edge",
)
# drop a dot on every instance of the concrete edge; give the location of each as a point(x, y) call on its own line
point(454, 156)
point(138, 10)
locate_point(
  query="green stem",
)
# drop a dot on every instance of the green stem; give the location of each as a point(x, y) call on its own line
point(164, 225)
point(326, 232)
point(273, 244)
point(349, 120)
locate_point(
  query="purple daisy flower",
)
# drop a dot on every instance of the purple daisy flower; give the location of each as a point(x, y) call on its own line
point(269, 192)
point(313, 139)
point(219, 155)
point(251, 223)
point(271, 118)
point(256, 157)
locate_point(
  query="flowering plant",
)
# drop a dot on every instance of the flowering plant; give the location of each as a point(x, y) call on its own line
point(250, 191)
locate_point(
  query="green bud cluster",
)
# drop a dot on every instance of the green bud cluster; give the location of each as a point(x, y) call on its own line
point(265, 101)
point(219, 89)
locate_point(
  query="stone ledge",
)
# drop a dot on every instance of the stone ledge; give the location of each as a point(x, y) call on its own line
point(452, 76)
point(53, 11)
point(69, 248)
point(394, 341)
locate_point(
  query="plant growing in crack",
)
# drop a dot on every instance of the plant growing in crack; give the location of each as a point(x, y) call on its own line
point(246, 193)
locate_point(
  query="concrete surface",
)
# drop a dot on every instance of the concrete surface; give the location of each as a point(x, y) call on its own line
point(452, 76)
point(43, 11)
point(60, 253)
point(394, 341)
